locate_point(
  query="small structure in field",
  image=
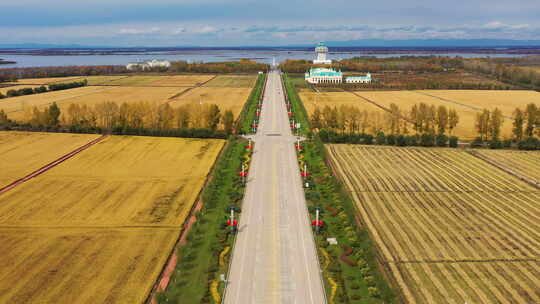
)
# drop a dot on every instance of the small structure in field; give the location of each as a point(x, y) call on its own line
point(147, 65)
point(359, 79)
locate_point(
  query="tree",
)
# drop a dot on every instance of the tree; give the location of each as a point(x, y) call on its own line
point(213, 117)
point(482, 123)
point(453, 120)
point(495, 124)
point(380, 139)
point(183, 117)
point(532, 118)
point(53, 115)
point(519, 120)
point(316, 120)
point(3, 118)
point(228, 121)
point(442, 119)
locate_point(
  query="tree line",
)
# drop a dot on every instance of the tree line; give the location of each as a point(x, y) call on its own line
point(525, 129)
point(12, 74)
point(516, 75)
point(44, 89)
point(422, 124)
point(137, 118)
point(241, 66)
point(420, 118)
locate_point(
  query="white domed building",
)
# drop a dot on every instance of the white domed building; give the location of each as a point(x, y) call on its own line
point(322, 51)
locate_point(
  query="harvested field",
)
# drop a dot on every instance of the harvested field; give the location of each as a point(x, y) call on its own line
point(24, 152)
point(226, 98)
point(134, 80)
point(182, 80)
point(40, 81)
point(450, 227)
point(506, 101)
point(233, 81)
point(466, 102)
point(18, 107)
point(524, 163)
point(99, 227)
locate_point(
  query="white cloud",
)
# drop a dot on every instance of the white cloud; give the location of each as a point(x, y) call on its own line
point(132, 31)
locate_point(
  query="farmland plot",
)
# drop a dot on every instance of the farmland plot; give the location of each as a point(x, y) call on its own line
point(233, 81)
point(24, 152)
point(50, 80)
point(450, 227)
point(99, 227)
point(524, 163)
point(226, 98)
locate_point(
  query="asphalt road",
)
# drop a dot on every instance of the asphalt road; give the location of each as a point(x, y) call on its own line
point(274, 259)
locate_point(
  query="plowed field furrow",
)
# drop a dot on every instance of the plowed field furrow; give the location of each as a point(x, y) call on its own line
point(515, 288)
point(519, 274)
point(469, 289)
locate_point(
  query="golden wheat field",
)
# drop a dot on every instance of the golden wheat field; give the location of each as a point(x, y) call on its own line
point(19, 108)
point(182, 80)
point(24, 152)
point(226, 98)
point(450, 227)
point(16, 106)
point(50, 80)
point(524, 163)
point(506, 101)
point(233, 81)
point(81, 265)
point(120, 181)
point(117, 206)
point(466, 102)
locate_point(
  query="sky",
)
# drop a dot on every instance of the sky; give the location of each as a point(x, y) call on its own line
point(261, 23)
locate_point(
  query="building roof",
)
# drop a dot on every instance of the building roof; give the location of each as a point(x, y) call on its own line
point(323, 72)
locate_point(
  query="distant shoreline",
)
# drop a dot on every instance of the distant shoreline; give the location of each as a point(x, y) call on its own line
point(513, 50)
point(2, 61)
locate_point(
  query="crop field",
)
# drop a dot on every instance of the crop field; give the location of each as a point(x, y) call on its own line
point(128, 193)
point(226, 98)
point(25, 152)
point(230, 92)
point(233, 81)
point(40, 81)
point(524, 163)
point(450, 227)
point(466, 102)
point(81, 265)
point(18, 107)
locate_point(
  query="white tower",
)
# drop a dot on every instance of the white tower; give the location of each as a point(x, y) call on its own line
point(321, 51)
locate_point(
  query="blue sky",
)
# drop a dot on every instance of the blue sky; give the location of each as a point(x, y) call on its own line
point(249, 22)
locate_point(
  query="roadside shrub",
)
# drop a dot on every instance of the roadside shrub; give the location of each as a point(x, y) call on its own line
point(380, 139)
point(391, 140)
point(427, 140)
point(401, 141)
point(477, 143)
point(495, 144)
point(374, 291)
point(453, 142)
point(441, 140)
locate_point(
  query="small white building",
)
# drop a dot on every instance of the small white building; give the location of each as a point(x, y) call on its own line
point(145, 65)
point(322, 51)
point(359, 79)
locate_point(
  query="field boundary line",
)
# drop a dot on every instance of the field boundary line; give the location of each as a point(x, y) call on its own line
point(504, 168)
point(456, 102)
point(52, 164)
point(185, 227)
point(189, 88)
point(381, 107)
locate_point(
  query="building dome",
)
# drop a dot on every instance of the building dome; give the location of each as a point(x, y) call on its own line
point(321, 48)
